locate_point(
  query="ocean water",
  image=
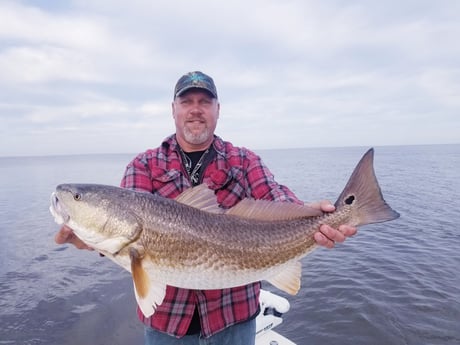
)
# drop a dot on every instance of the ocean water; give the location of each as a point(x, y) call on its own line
point(393, 283)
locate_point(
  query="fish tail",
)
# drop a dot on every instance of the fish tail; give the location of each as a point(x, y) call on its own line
point(363, 196)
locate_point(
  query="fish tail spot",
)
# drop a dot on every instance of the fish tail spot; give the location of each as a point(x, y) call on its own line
point(350, 200)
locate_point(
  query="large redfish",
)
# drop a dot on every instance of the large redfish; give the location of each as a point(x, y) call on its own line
point(191, 243)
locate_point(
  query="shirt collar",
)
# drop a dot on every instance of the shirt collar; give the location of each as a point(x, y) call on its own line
point(171, 144)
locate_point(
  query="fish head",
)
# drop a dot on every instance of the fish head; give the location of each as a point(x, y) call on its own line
point(99, 215)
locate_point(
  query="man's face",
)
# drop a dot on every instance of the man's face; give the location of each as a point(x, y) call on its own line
point(195, 114)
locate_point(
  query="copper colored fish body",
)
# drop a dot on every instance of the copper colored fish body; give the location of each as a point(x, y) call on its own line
point(192, 243)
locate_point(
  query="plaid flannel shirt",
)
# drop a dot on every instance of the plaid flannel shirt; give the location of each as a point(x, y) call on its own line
point(234, 174)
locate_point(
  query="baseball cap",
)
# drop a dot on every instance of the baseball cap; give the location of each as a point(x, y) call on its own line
point(195, 80)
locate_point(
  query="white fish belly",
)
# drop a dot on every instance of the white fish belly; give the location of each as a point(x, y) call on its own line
point(205, 279)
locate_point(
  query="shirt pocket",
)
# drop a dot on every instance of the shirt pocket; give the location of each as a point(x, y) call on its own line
point(230, 185)
point(168, 183)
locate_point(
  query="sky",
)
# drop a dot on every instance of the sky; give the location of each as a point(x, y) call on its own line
point(97, 76)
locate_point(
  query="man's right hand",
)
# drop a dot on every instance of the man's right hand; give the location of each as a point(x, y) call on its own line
point(66, 235)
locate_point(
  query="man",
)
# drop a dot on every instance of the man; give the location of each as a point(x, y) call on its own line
point(195, 155)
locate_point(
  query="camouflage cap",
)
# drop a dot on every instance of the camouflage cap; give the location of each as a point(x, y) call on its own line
point(195, 80)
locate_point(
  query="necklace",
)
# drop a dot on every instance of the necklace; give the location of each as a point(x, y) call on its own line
point(193, 171)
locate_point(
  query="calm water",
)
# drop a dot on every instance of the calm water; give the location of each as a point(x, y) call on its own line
point(393, 283)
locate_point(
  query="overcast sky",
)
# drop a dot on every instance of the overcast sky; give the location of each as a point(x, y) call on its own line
point(96, 76)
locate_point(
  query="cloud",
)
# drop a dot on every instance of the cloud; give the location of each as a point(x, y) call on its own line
point(289, 74)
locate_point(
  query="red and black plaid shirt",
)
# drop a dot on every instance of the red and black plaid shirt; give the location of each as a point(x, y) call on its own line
point(234, 173)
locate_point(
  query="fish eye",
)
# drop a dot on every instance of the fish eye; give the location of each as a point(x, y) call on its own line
point(77, 196)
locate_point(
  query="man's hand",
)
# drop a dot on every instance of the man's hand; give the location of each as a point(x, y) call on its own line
point(66, 235)
point(327, 235)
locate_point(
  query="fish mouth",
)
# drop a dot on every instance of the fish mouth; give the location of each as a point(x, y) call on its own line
point(60, 215)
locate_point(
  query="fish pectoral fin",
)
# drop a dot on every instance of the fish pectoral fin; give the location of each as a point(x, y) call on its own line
point(149, 293)
point(112, 245)
point(272, 210)
point(200, 197)
point(289, 279)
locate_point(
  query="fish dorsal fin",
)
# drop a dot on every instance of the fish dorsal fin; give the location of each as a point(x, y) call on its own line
point(200, 197)
point(289, 279)
point(271, 210)
point(149, 293)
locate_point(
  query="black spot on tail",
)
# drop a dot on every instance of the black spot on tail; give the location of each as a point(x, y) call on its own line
point(350, 200)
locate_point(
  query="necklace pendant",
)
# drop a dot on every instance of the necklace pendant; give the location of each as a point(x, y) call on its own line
point(193, 171)
point(194, 179)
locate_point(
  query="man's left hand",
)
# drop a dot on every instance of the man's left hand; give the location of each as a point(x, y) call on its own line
point(327, 236)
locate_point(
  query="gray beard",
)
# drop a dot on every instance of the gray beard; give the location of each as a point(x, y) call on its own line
point(196, 139)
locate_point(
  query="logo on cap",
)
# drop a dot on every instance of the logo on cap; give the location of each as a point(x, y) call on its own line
point(195, 80)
